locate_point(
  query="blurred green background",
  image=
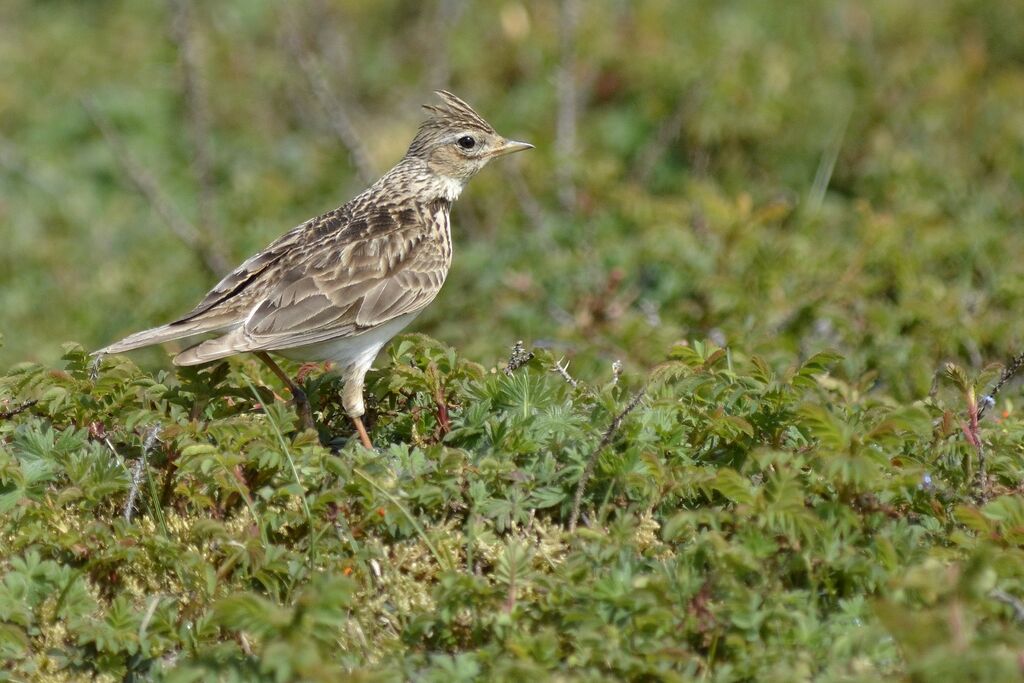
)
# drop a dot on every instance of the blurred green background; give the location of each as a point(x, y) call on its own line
point(781, 176)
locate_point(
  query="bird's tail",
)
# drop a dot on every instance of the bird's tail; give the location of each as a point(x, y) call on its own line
point(213, 349)
point(155, 335)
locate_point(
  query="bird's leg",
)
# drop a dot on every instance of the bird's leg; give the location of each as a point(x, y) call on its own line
point(352, 399)
point(361, 429)
point(301, 401)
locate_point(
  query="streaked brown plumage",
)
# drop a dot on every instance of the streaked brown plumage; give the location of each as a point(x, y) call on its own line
point(340, 285)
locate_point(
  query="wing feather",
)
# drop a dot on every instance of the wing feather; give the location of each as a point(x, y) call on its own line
point(276, 324)
point(335, 276)
point(373, 281)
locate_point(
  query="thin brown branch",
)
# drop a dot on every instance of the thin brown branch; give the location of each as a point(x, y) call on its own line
point(17, 410)
point(606, 439)
point(334, 108)
point(568, 104)
point(159, 201)
point(196, 107)
point(1011, 601)
point(1015, 365)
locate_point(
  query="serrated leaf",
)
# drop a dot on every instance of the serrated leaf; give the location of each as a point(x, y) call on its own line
point(547, 496)
point(762, 371)
point(972, 518)
point(816, 365)
point(1008, 509)
point(955, 374)
point(195, 449)
point(733, 486)
point(824, 426)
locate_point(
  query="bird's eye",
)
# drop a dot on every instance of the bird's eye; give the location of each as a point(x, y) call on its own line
point(466, 142)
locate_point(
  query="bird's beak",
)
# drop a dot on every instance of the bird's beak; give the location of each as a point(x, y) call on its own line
point(510, 146)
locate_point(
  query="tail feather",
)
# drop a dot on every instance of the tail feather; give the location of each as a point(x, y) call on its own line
point(155, 335)
point(212, 349)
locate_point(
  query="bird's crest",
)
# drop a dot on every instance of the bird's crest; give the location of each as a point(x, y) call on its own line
point(454, 113)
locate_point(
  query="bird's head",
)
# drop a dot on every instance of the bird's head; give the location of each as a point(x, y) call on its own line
point(456, 142)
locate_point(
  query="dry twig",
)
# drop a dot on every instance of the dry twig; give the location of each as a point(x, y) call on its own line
point(606, 439)
point(336, 110)
point(208, 256)
point(133, 489)
point(568, 104)
point(17, 410)
point(518, 358)
point(138, 469)
point(976, 409)
point(197, 109)
point(1014, 603)
point(563, 370)
point(1015, 365)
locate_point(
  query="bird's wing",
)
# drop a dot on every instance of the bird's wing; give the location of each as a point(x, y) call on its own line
point(221, 309)
point(374, 270)
point(371, 282)
point(231, 299)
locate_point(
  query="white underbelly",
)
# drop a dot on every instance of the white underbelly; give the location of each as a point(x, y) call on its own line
point(360, 349)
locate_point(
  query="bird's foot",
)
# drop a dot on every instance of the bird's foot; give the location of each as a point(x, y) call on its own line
point(302, 408)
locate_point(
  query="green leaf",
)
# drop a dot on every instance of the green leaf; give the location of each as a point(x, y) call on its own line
point(733, 486)
point(972, 518)
point(818, 364)
point(824, 426)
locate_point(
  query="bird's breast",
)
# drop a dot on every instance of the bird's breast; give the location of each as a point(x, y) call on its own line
point(441, 230)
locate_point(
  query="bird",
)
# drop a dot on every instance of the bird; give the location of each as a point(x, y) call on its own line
point(338, 287)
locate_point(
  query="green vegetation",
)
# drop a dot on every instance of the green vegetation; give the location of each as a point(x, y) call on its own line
point(796, 224)
point(744, 524)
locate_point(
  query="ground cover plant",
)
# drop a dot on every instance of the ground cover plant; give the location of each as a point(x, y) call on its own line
point(743, 523)
point(763, 424)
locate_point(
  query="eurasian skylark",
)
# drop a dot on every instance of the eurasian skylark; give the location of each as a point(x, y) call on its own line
point(341, 285)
